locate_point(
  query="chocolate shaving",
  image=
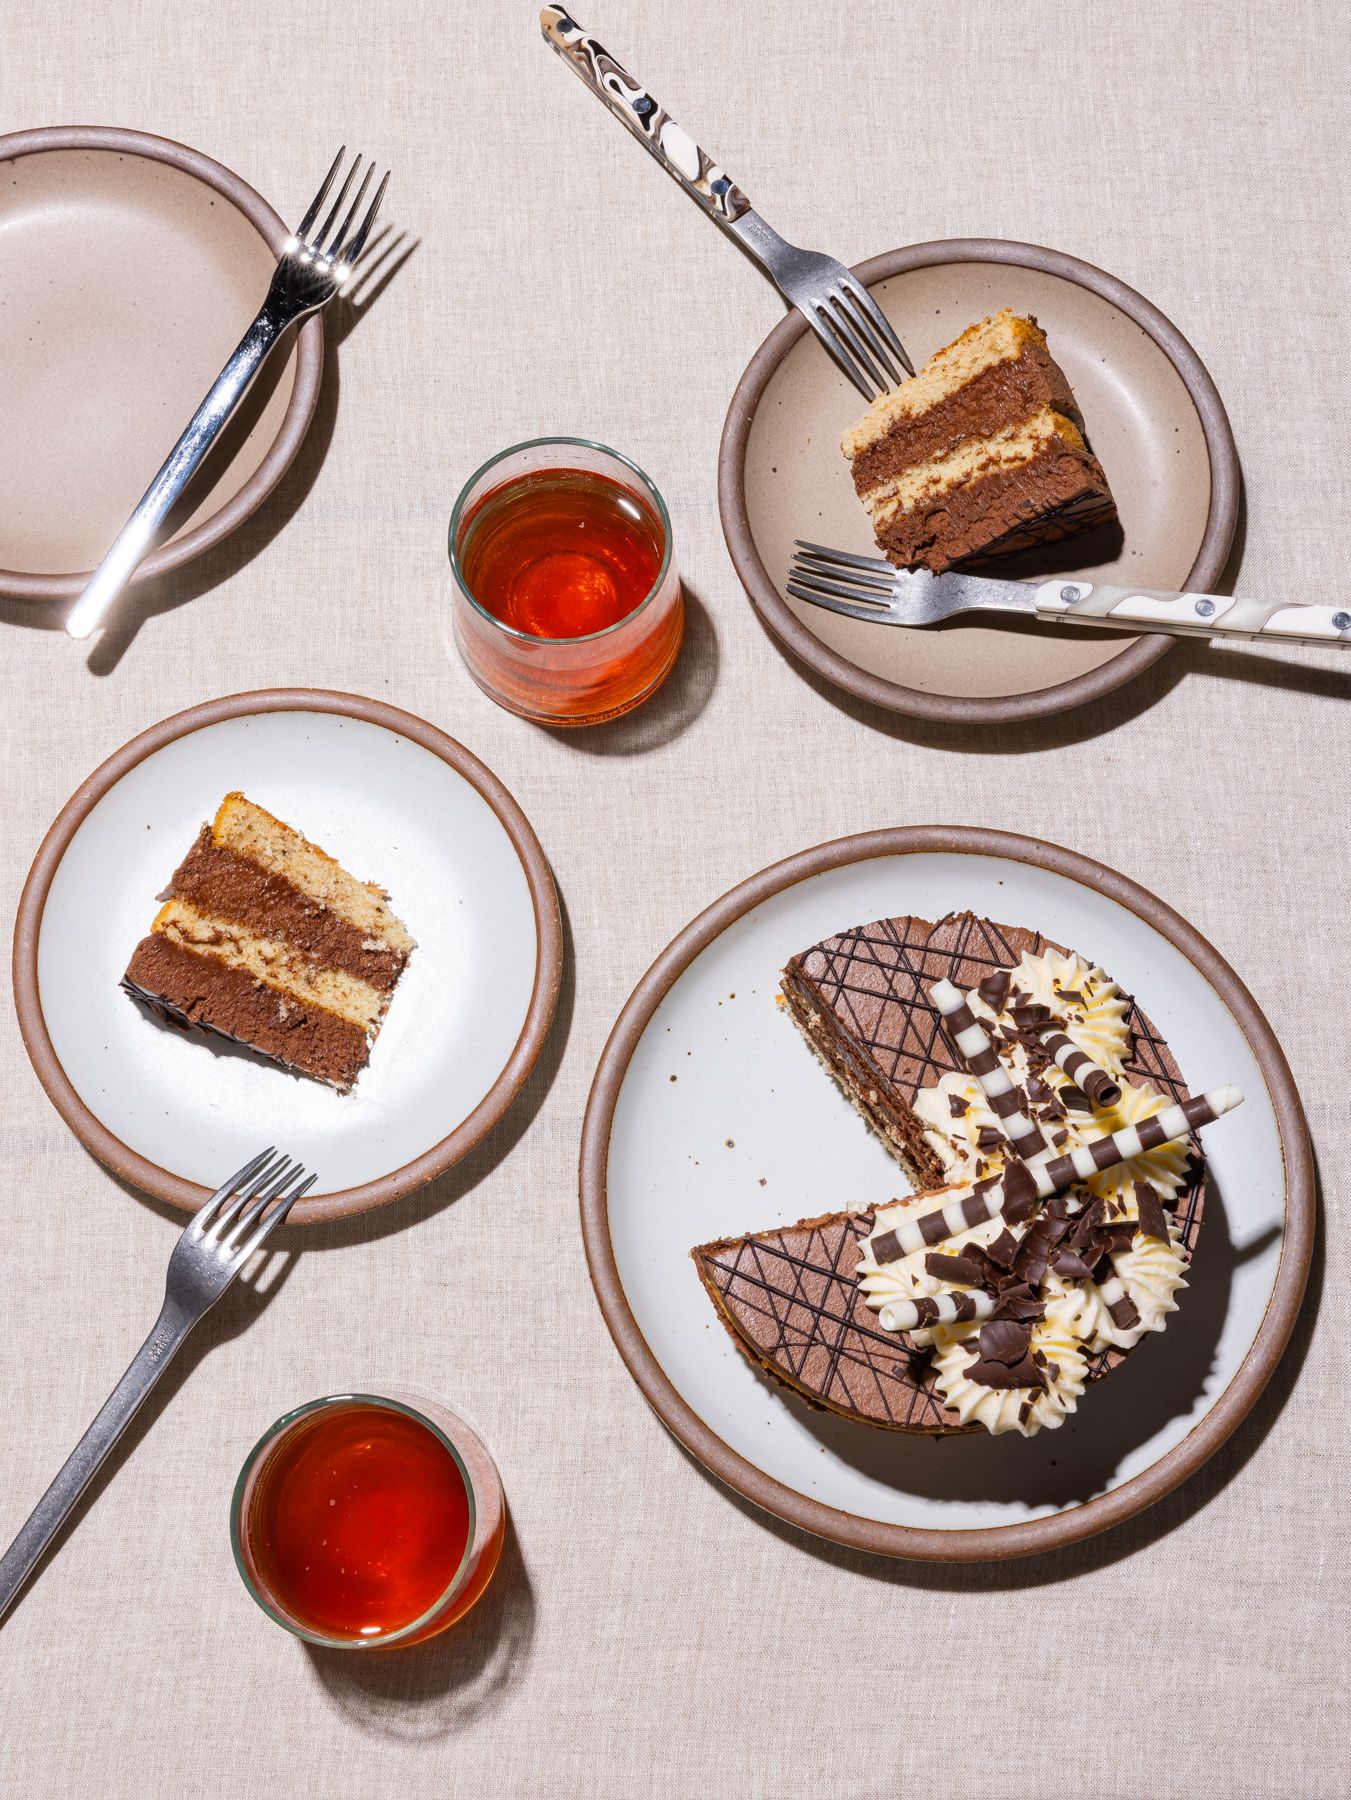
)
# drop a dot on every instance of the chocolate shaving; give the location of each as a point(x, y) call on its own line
point(958, 1107)
point(1003, 1250)
point(1072, 1266)
point(987, 1138)
point(1075, 999)
point(1017, 1301)
point(1031, 1014)
point(994, 990)
point(1075, 1098)
point(1004, 1341)
point(966, 1269)
point(1152, 1222)
point(1037, 1248)
point(1039, 1091)
point(1020, 1193)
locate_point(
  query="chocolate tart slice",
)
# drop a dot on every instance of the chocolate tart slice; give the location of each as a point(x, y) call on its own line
point(790, 1295)
point(266, 940)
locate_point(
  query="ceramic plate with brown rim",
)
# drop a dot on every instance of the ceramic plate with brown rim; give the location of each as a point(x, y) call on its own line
point(709, 1118)
point(130, 267)
point(1151, 411)
point(395, 801)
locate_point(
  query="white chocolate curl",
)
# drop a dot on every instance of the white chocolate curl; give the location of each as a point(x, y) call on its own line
point(942, 1309)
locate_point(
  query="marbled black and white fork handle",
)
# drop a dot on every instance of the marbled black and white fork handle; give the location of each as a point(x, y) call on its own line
point(630, 102)
point(1193, 615)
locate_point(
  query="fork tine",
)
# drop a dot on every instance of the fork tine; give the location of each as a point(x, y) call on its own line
point(862, 579)
point(832, 603)
point(276, 1217)
point(318, 199)
point(340, 234)
point(881, 324)
point(825, 553)
point(263, 1179)
point(837, 350)
point(824, 583)
point(863, 352)
point(293, 1171)
point(316, 243)
point(198, 1220)
point(351, 252)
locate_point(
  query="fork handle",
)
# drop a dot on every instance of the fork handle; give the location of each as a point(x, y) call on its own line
point(181, 464)
point(1194, 615)
point(88, 1456)
point(654, 128)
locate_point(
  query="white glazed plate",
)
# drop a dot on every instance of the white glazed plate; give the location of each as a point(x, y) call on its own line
point(710, 1118)
point(176, 1111)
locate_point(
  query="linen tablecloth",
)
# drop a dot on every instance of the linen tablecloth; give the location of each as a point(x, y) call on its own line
point(650, 1633)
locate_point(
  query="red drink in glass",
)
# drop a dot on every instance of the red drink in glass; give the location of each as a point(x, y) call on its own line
point(362, 1522)
point(567, 606)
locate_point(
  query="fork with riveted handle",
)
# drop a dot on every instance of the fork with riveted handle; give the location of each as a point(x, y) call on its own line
point(312, 269)
point(856, 333)
point(866, 587)
point(219, 1239)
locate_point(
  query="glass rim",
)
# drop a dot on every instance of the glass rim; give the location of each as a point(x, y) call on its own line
point(576, 443)
point(257, 1457)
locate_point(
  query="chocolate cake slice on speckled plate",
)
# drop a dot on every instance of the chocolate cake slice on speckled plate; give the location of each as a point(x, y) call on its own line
point(792, 1296)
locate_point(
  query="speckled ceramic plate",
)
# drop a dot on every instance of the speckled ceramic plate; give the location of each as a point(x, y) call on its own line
point(130, 267)
point(709, 1117)
point(1155, 421)
point(395, 801)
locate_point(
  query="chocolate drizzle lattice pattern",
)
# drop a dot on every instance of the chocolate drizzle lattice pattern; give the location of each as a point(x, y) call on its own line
point(790, 1295)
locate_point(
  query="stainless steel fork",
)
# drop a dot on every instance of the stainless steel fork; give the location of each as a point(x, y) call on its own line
point(312, 269)
point(865, 587)
point(219, 1239)
point(855, 332)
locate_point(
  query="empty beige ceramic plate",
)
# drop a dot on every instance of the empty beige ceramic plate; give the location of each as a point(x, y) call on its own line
point(130, 267)
point(1153, 416)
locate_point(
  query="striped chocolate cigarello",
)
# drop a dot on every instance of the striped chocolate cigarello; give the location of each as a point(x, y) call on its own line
point(1104, 1153)
point(972, 1043)
point(1021, 1183)
point(1080, 1068)
point(1014, 1195)
point(941, 1309)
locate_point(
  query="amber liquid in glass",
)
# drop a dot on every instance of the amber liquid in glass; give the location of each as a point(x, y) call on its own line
point(562, 553)
point(359, 1521)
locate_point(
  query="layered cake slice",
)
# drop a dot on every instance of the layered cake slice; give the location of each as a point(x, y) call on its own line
point(980, 453)
point(1057, 1223)
point(264, 939)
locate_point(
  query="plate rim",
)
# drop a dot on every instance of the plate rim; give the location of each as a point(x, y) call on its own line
point(176, 1190)
point(966, 709)
point(922, 1543)
point(21, 584)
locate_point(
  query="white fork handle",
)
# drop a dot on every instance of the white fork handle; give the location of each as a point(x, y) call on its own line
point(88, 1456)
point(651, 124)
point(118, 566)
point(1193, 615)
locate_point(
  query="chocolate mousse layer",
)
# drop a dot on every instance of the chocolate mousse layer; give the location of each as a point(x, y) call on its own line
point(198, 990)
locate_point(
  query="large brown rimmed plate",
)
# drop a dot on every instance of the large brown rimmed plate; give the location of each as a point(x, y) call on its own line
point(130, 267)
point(1155, 420)
point(396, 801)
point(709, 1117)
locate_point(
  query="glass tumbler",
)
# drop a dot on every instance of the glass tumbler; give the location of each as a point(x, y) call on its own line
point(564, 680)
point(483, 1543)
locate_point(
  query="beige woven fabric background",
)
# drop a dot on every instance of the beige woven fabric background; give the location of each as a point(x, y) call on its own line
point(650, 1634)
